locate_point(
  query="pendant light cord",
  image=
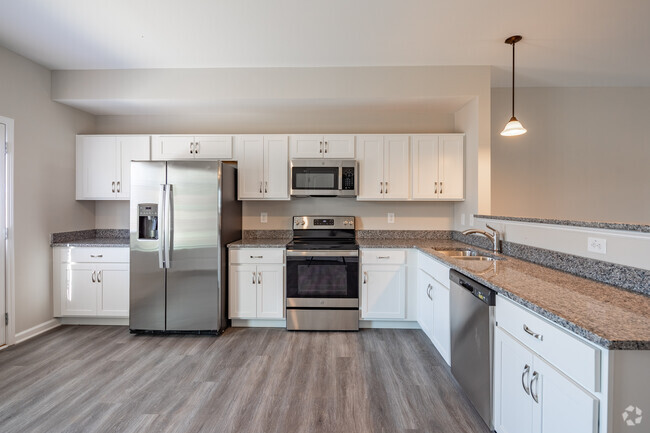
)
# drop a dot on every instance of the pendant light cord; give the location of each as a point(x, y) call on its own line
point(513, 79)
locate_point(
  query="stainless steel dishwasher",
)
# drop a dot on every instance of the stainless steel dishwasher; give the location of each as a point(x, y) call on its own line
point(472, 321)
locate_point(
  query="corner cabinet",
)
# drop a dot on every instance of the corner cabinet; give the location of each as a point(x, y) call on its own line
point(103, 170)
point(383, 167)
point(263, 163)
point(256, 283)
point(383, 284)
point(180, 147)
point(91, 282)
point(322, 146)
point(438, 169)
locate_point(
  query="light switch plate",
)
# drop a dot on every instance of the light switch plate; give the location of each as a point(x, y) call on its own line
point(264, 217)
point(462, 219)
point(391, 218)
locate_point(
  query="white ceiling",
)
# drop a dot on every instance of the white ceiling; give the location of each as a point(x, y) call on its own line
point(566, 42)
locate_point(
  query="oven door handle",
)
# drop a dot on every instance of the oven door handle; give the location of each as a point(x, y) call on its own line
point(323, 253)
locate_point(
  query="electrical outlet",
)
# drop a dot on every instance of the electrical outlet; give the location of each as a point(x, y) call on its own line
point(597, 245)
point(391, 218)
point(462, 219)
point(264, 217)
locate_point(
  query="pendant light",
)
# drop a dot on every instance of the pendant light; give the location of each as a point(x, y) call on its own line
point(513, 127)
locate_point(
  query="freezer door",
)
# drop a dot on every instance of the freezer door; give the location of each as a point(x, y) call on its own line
point(193, 287)
point(147, 277)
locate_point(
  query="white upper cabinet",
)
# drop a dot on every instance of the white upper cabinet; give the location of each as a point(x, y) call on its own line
point(263, 167)
point(103, 169)
point(322, 146)
point(179, 147)
point(438, 167)
point(383, 167)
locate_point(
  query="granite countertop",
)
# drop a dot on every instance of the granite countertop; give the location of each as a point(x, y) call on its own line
point(611, 317)
point(94, 242)
point(91, 238)
point(260, 243)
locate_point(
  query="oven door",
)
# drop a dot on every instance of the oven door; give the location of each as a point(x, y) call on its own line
point(323, 279)
point(315, 180)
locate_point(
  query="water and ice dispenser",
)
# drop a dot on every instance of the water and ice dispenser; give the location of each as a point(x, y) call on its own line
point(148, 221)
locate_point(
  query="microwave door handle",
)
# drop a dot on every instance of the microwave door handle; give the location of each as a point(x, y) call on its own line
point(340, 185)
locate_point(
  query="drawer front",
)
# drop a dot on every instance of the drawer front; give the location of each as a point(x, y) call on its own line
point(575, 358)
point(383, 257)
point(257, 255)
point(99, 255)
point(434, 268)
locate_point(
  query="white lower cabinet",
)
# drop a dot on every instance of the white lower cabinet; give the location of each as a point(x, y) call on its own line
point(532, 396)
point(383, 284)
point(256, 286)
point(425, 302)
point(433, 303)
point(86, 285)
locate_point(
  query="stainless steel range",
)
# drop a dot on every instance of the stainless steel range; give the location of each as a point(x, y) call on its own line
point(323, 275)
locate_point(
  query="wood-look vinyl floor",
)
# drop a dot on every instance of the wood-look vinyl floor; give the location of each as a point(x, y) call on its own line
point(103, 379)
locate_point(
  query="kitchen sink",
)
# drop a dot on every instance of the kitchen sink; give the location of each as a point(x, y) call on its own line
point(467, 255)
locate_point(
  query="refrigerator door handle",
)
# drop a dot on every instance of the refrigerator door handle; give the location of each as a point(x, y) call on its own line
point(169, 224)
point(161, 242)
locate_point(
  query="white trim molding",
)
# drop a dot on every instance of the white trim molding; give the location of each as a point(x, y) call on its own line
point(10, 283)
point(37, 330)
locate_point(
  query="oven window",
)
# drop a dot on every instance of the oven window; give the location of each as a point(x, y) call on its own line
point(325, 178)
point(322, 277)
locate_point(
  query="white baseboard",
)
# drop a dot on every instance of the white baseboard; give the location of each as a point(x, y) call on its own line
point(388, 324)
point(258, 323)
point(37, 330)
point(111, 321)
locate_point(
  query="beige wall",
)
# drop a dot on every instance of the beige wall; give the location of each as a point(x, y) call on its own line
point(44, 178)
point(585, 156)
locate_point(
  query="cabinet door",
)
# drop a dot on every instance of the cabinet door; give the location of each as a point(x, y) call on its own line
point(113, 294)
point(242, 292)
point(424, 163)
point(250, 176)
point(425, 302)
point(97, 174)
point(371, 167)
point(452, 168)
point(382, 292)
point(80, 295)
point(441, 323)
point(307, 146)
point(338, 146)
point(164, 148)
point(276, 167)
point(513, 369)
point(563, 405)
point(396, 167)
point(131, 149)
point(270, 291)
point(213, 147)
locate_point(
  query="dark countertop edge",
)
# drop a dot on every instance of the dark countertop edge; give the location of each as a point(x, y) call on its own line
point(260, 243)
point(94, 242)
point(642, 228)
point(558, 320)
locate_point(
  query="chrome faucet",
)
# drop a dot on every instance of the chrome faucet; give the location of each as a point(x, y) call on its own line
point(495, 237)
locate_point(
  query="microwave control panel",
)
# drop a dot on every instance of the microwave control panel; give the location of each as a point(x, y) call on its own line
point(347, 176)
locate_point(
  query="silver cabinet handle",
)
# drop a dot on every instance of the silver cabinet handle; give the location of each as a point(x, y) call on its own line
point(259, 278)
point(540, 337)
point(93, 277)
point(383, 257)
point(191, 147)
point(386, 188)
point(381, 187)
point(260, 187)
point(435, 185)
point(266, 187)
point(98, 255)
point(326, 147)
point(253, 277)
point(113, 187)
point(429, 288)
point(99, 276)
point(257, 257)
point(119, 188)
point(365, 278)
point(534, 394)
point(197, 147)
point(525, 381)
point(321, 147)
point(440, 187)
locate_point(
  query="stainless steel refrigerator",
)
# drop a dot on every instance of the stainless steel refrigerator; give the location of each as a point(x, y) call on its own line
point(182, 216)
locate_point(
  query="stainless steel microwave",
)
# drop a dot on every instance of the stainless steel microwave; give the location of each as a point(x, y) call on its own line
point(324, 177)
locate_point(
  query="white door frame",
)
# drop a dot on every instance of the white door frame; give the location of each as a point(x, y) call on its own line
point(10, 304)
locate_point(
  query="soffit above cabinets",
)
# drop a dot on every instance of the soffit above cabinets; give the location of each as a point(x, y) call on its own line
point(576, 43)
